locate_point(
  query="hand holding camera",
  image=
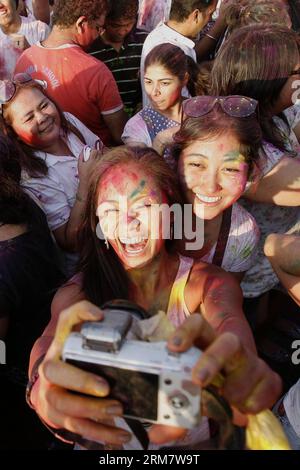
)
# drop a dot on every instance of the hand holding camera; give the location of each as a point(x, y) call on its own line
point(248, 383)
point(153, 384)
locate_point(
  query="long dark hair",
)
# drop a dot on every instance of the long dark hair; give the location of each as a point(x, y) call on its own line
point(32, 164)
point(15, 205)
point(104, 277)
point(256, 61)
point(217, 123)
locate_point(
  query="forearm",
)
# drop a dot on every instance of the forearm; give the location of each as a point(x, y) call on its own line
point(223, 321)
point(208, 43)
point(281, 186)
point(222, 308)
point(67, 236)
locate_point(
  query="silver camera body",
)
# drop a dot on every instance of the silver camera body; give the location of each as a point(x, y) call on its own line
point(153, 384)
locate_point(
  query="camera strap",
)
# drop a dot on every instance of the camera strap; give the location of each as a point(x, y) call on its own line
point(139, 432)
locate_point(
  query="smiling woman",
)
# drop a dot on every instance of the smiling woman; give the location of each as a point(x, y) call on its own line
point(216, 149)
point(51, 146)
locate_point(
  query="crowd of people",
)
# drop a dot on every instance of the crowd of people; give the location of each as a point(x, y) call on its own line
point(149, 151)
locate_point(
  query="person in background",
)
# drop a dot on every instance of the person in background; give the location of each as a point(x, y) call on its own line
point(17, 33)
point(152, 12)
point(120, 48)
point(79, 83)
point(283, 254)
point(187, 18)
point(37, 9)
point(267, 73)
point(29, 276)
point(51, 148)
point(167, 73)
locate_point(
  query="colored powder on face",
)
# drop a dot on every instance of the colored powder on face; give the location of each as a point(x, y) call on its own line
point(234, 156)
point(139, 189)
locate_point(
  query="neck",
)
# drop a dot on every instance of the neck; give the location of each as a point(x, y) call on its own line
point(13, 26)
point(59, 37)
point(147, 280)
point(175, 112)
point(181, 28)
point(116, 45)
point(59, 148)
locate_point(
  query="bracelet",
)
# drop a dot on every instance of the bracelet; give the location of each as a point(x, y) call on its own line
point(211, 37)
point(33, 379)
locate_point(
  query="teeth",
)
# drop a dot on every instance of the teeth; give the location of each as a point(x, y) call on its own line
point(134, 252)
point(208, 199)
point(132, 241)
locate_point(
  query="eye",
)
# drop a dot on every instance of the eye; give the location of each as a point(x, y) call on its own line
point(147, 82)
point(165, 83)
point(110, 211)
point(28, 119)
point(44, 105)
point(232, 170)
point(196, 165)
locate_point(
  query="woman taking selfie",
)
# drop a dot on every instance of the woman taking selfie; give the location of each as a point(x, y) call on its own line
point(131, 262)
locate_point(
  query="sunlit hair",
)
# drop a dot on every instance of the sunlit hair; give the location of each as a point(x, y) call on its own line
point(67, 12)
point(175, 61)
point(104, 277)
point(217, 123)
point(256, 61)
point(248, 12)
point(15, 206)
point(181, 9)
point(33, 165)
point(123, 10)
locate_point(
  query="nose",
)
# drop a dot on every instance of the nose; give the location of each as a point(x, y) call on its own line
point(40, 117)
point(129, 224)
point(212, 184)
point(155, 89)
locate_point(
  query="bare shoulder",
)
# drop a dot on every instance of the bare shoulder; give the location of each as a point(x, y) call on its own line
point(204, 271)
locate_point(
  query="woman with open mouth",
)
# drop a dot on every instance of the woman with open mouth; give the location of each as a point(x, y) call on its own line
point(125, 254)
point(51, 144)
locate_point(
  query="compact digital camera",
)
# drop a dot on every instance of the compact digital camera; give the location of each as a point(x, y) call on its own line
point(153, 384)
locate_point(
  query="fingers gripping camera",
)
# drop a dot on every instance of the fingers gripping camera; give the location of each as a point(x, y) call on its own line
point(152, 383)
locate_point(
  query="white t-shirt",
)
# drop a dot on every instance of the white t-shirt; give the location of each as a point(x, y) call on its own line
point(160, 35)
point(269, 217)
point(241, 247)
point(57, 190)
point(33, 30)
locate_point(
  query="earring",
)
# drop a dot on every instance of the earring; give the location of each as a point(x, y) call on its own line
point(106, 243)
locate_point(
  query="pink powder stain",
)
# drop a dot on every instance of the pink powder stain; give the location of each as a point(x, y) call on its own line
point(118, 177)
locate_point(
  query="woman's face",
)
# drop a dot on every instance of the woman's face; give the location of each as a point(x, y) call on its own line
point(128, 202)
point(213, 174)
point(163, 88)
point(34, 118)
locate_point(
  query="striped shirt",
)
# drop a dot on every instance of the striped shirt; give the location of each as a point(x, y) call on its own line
point(124, 65)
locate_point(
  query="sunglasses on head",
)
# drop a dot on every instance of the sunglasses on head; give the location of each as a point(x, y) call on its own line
point(8, 88)
point(234, 105)
point(295, 72)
